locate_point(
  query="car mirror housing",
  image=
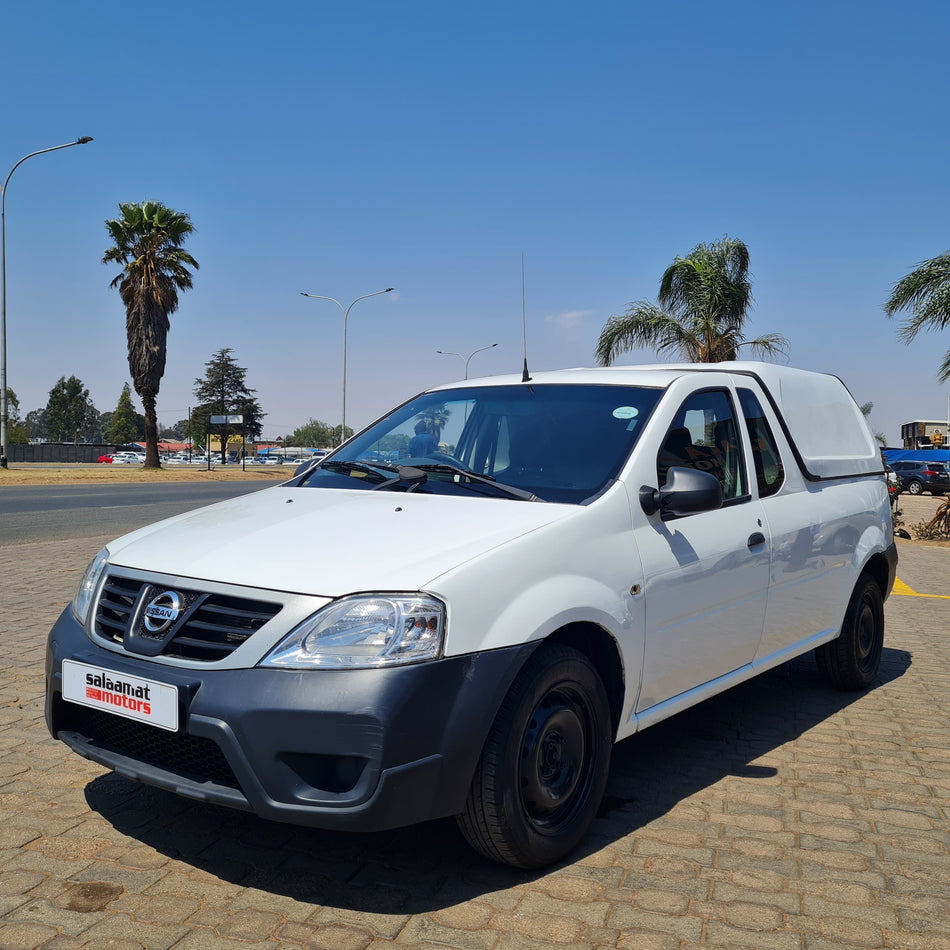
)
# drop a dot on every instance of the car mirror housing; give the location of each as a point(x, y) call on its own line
point(686, 491)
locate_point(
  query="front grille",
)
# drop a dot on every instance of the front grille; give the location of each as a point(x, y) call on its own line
point(218, 625)
point(116, 604)
point(190, 757)
point(211, 625)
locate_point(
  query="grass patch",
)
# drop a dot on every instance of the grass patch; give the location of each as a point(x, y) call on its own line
point(79, 474)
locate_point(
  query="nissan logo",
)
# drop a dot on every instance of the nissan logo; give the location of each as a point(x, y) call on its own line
point(162, 611)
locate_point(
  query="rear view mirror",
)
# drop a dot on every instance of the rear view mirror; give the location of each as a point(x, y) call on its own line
point(685, 492)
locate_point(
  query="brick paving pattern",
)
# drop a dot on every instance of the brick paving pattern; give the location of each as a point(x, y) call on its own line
point(779, 816)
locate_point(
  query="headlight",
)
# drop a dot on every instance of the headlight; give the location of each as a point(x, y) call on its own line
point(363, 632)
point(87, 586)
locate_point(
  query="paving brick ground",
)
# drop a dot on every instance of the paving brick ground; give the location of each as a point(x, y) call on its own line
point(780, 815)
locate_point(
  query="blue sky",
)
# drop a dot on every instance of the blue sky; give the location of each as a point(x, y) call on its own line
point(343, 148)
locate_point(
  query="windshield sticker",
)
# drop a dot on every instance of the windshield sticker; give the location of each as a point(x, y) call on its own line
point(626, 412)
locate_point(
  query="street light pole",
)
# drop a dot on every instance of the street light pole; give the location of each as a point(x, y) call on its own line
point(346, 314)
point(462, 358)
point(4, 408)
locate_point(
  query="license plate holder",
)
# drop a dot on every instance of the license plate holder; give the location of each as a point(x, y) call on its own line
point(121, 694)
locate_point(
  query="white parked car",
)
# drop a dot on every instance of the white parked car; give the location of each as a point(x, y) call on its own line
point(477, 626)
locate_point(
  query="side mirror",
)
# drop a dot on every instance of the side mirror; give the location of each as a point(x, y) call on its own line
point(685, 492)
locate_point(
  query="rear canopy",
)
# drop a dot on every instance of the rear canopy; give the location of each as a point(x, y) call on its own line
point(826, 426)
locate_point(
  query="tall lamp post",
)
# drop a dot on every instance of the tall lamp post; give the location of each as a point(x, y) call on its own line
point(4, 409)
point(462, 358)
point(346, 313)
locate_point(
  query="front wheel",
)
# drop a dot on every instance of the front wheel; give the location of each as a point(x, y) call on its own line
point(542, 772)
point(915, 487)
point(851, 661)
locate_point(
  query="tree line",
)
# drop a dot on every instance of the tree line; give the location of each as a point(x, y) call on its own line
point(71, 416)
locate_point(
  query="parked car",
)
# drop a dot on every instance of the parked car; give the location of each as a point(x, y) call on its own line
point(920, 476)
point(104, 458)
point(475, 629)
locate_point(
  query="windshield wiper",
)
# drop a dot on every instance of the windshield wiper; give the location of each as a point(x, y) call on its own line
point(448, 469)
point(381, 469)
point(405, 475)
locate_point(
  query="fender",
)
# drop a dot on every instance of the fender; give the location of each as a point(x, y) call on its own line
point(578, 569)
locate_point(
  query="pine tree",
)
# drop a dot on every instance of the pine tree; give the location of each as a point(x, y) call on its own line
point(122, 428)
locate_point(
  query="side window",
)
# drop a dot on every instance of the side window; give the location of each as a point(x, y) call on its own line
point(769, 471)
point(704, 436)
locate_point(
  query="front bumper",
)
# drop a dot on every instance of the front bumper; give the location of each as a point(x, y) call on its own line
point(359, 750)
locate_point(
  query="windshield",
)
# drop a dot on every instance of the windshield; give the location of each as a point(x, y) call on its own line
point(554, 442)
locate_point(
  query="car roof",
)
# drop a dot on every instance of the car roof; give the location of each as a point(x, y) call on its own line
point(652, 376)
point(644, 374)
point(828, 433)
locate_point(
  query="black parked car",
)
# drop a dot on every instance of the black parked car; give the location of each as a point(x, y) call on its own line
point(918, 477)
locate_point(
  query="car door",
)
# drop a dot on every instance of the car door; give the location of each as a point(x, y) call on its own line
point(813, 537)
point(706, 575)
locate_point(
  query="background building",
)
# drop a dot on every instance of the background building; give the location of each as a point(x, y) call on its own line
point(924, 434)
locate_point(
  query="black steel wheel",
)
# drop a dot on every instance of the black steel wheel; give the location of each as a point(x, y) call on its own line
point(851, 661)
point(542, 772)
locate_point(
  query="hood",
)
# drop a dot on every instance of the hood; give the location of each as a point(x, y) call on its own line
point(330, 542)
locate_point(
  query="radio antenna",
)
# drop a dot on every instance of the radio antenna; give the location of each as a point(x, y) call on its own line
point(525, 378)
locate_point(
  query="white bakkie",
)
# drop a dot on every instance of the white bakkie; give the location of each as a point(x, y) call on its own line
point(460, 610)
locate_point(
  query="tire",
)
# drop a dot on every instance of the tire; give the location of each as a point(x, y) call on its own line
point(542, 772)
point(851, 661)
point(914, 487)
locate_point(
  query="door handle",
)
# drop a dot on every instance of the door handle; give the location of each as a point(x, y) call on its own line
point(755, 539)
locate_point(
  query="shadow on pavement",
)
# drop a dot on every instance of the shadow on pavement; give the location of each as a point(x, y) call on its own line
point(428, 867)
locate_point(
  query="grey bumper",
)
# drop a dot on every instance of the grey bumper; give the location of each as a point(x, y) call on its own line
point(360, 750)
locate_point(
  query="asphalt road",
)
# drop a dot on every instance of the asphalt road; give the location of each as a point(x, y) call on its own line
point(45, 513)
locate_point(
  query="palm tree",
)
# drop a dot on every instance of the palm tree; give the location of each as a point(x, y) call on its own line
point(925, 291)
point(148, 240)
point(701, 309)
point(435, 419)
